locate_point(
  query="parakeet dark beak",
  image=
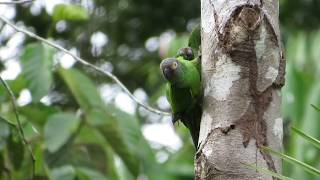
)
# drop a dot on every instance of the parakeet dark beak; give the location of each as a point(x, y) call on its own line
point(167, 72)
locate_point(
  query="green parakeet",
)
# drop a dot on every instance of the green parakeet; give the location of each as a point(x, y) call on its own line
point(183, 89)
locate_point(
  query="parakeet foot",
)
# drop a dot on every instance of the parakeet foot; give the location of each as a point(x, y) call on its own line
point(175, 118)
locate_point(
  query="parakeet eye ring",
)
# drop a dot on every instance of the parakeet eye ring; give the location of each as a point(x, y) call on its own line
point(174, 65)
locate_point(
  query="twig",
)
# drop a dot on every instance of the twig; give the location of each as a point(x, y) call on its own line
point(19, 126)
point(16, 2)
point(85, 63)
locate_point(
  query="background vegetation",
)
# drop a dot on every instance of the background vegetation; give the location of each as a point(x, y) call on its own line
point(81, 125)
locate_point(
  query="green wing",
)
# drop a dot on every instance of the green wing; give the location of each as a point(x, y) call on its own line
point(197, 63)
point(191, 76)
point(169, 95)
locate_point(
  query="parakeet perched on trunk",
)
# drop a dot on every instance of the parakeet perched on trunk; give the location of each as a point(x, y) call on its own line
point(183, 89)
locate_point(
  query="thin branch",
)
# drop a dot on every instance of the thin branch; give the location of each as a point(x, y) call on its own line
point(19, 126)
point(85, 63)
point(16, 2)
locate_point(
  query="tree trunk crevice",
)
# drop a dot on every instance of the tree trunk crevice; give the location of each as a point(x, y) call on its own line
point(243, 72)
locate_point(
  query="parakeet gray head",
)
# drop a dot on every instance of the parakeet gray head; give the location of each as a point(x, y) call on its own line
point(171, 69)
point(186, 53)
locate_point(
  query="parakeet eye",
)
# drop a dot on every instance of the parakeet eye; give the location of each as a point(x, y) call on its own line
point(174, 65)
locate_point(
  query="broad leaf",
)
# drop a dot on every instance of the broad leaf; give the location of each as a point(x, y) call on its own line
point(120, 129)
point(69, 12)
point(58, 130)
point(36, 61)
point(15, 150)
point(84, 173)
point(66, 172)
point(91, 136)
point(82, 88)
point(137, 144)
point(86, 94)
point(37, 113)
point(11, 122)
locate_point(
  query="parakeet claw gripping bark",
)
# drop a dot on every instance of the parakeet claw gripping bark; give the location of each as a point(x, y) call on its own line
point(183, 89)
point(175, 118)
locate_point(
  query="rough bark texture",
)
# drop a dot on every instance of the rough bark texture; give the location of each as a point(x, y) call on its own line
point(243, 70)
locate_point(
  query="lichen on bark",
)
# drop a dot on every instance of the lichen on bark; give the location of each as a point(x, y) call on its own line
point(243, 69)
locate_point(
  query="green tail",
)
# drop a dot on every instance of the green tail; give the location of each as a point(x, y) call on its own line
point(191, 119)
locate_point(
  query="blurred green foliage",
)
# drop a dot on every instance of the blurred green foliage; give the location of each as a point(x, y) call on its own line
point(69, 12)
point(79, 136)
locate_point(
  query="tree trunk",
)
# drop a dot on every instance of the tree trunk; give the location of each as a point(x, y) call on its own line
point(242, 72)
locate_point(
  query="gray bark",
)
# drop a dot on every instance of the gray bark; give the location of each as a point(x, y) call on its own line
point(242, 72)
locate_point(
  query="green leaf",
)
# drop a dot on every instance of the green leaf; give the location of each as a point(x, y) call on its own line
point(294, 161)
point(37, 113)
point(91, 136)
point(109, 127)
point(128, 124)
point(16, 150)
point(99, 116)
point(88, 174)
point(58, 130)
point(7, 121)
point(85, 92)
point(120, 130)
point(65, 172)
point(195, 39)
point(36, 61)
point(4, 132)
point(16, 86)
point(176, 43)
point(111, 170)
point(69, 12)
point(308, 138)
point(268, 172)
point(40, 166)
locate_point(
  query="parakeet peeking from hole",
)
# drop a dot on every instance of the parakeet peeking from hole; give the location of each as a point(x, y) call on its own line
point(183, 89)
